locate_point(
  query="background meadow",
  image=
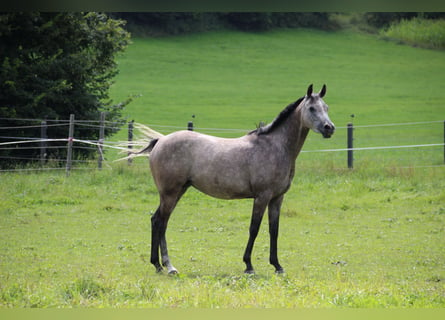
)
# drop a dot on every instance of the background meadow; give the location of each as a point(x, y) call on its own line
point(232, 81)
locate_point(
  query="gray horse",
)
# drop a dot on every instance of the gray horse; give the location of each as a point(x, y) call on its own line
point(259, 165)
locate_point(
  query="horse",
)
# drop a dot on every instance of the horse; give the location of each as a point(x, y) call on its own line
point(259, 165)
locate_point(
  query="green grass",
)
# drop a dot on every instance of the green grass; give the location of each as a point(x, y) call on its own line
point(348, 239)
point(418, 32)
point(233, 80)
point(368, 237)
point(237, 79)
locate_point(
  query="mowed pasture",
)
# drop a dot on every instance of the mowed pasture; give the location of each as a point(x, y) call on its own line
point(368, 237)
point(348, 239)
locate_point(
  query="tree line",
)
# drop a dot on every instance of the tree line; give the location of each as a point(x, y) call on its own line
point(172, 23)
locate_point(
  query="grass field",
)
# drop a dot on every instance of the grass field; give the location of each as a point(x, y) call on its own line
point(368, 237)
point(347, 239)
point(225, 78)
point(235, 80)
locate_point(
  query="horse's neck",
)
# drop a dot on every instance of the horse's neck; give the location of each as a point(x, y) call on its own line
point(293, 134)
point(300, 139)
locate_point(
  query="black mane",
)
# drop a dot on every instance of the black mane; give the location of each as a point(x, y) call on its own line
point(279, 119)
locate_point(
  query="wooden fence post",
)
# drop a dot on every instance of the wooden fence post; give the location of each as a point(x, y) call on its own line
point(43, 143)
point(350, 146)
point(101, 140)
point(70, 145)
point(130, 139)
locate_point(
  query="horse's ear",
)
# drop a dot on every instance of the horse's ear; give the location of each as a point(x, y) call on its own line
point(309, 91)
point(323, 91)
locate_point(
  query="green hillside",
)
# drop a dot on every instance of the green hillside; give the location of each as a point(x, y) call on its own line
point(234, 80)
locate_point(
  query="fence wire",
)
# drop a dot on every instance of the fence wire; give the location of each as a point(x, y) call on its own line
point(377, 135)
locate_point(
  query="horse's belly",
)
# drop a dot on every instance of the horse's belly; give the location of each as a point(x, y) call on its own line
point(224, 187)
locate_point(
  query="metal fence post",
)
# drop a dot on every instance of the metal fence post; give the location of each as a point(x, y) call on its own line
point(70, 145)
point(101, 140)
point(350, 146)
point(43, 143)
point(130, 139)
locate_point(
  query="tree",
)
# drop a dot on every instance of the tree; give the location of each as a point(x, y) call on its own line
point(55, 64)
point(168, 23)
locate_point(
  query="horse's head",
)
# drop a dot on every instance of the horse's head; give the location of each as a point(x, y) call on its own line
point(315, 113)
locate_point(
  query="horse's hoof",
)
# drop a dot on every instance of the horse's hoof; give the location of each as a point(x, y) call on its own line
point(249, 271)
point(159, 270)
point(173, 272)
point(280, 271)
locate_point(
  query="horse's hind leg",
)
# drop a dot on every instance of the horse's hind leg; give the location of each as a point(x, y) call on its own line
point(259, 206)
point(274, 216)
point(155, 239)
point(165, 259)
point(159, 223)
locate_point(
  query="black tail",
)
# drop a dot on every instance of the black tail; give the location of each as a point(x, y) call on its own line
point(148, 148)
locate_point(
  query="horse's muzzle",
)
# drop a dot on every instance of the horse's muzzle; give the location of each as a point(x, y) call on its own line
point(327, 130)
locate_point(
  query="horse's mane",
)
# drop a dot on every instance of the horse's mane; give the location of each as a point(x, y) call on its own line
point(279, 119)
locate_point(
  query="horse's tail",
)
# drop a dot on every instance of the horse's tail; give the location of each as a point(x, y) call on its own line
point(148, 148)
point(141, 146)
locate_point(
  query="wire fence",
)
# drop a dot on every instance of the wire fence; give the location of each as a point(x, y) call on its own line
point(406, 144)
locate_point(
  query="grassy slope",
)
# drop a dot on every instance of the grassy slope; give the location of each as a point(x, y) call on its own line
point(235, 80)
point(362, 238)
point(258, 74)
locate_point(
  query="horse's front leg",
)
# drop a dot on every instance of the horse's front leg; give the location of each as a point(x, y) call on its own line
point(274, 219)
point(259, 206)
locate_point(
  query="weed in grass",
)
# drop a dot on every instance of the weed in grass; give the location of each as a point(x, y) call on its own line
point(85, 288)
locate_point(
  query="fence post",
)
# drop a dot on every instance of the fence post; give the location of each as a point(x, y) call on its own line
point(350, 146)
point(130, 139)
point(101, 139)
point(70, 145)
point(190, 126)
point(43, 137)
